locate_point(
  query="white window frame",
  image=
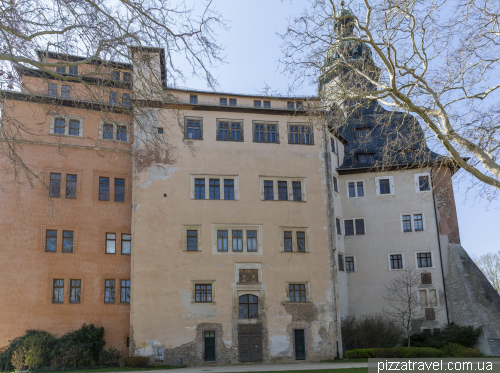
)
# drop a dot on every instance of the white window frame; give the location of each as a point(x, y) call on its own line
point(294, 231)
point(354, 226)
point(236, 227)
point(417, 184)
point(221, 186)
point(377, 185)
point(412, 220)
point(186, 228)
point(402, 258)
point(427, 295)
point(355, 188)
point(67, 119)
point(289, 187)
point(354, 260)
point(425, 252)
point(115, 130)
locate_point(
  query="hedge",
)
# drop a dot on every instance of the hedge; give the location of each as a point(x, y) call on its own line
point(398, 352)
point(134, 361)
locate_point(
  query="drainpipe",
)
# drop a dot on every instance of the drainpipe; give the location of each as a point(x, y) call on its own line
point(439, 245)
point(331, 237)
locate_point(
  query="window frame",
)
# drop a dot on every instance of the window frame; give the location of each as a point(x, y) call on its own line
point(71, 287)
point(289, 181)
point(193, 99)
point(59, 296)
point(266, 124)
point(110, 287)
point(186, 120)
point(115, 125)
point(112, 177)
point(295, 283)
point(391, 186)
point(129, 287)
point(294, 231)
point(233, 100)
point(230, 122)
point(417, 182)
point(402, 261)
point(300, 133)
point(66, 88)
point(425, 252)
point(354, 267)
point(118, 240)
point(340, 262)
point(191, 227)
point(412, 221)
point(222, 194)
point(335, 184)
point(59, 239)
point(122, 240)
point(67, 120)
point(230, 228)
point(338, 226)
point(195, 283)
point(354, 226)
point(356, 194)
point(51, 88)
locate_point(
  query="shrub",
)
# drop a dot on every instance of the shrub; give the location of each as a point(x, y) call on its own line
point(87, 338)
point(457, 350)
point(359, 353)
point(379, 353)
point(413, 352)
point(135, 361)
point(370, 331)
point(111, 356)
point(466, 336)
point(7, 353)
point(17, 360)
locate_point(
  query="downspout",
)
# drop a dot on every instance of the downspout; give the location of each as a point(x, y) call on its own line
point(439, 245)
point(331, 237)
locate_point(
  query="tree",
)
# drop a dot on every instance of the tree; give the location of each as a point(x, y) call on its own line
point(435, 60)
point(402, 296)
point(489, 264)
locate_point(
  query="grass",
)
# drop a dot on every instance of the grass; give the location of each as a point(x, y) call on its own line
point(115, 369)
point(339, 370)
point(345, 361)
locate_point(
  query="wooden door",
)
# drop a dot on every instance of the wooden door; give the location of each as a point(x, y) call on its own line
point(250, 342)
point(209, 345)
point(300, 344)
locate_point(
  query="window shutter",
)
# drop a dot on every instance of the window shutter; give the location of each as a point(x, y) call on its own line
point(312, 134)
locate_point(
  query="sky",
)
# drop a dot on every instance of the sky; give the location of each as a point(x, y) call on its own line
point(252, 51)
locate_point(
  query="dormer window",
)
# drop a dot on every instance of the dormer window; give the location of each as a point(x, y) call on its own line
point(409, 155)
point(362, 133)
point(366, 158)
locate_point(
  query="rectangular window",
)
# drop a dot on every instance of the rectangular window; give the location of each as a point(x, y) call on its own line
point(214, 189)
point(109, 291)
point(332, 144)
point(126, 99)
point(339, 229)
point(259, 133)
point(127, 77)
point(294, 134)
point(418, 222)
point(288, 241)
point(121, 133)
point(55, 185)
point(115, 75)
point(222, 241)
point(65, 91)
point(306, 136)
point(67, 242)
point(252, 241)
point(396, 261)
point(229, 189)
point(352, 190)
point(341, 262)
point(424, 260)
point(60, 126)
point(267, 104)
point(103, 188)
point(223, 101)
point(71, 186)
point(238, 241)
point(53, 90)
point(236, 132)
point(126, 243)
point(193, 99)
point(61, 69)
point(73, 70)
point(265, 132)
point(301, 241)
point(290, 105)
point(160, 130)
point(360, 226)
point(232, 102)
point(257, 103)
point(335, 184)
point(268, 190)
point(299, 105)
point(203, 293)
point(348, 228)
point(74, 127)
point(282, 191)
point(297, 190)
point(75, 290)
point(362, 133)
point(50, 241)
point(193, 129)
point(385, 187)
point(58, 292)
point(423, 183)
point(192, 240)
point(360, 189)
point(349, 263)
point(199, 188)
point(112, 98)
point(107, 132)
point(223, 131)
point(300, 134)
point(271, 133)
point(407, 223)
point(366, 158)
point(110, 243)
point(297, 292)
point(125, 291)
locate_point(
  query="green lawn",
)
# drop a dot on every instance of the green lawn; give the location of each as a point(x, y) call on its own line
point(345, 361)
point(114, 369)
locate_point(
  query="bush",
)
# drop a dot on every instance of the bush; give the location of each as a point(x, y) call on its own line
point(379, 353)
point(134, 361)
point(412, 352)
point(370, 331)
point(111, 356)
point(457, 350)
point(466, 336)
point(7, 353)
point(87, 338)
point(359, 353)
point(404, 352)
point(72, 357)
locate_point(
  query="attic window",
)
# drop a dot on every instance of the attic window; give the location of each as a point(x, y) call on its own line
point(362, 133)
point(409, 155)
point(366, 158)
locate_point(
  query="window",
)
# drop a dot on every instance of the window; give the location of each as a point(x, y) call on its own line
point(65, 91)
point(199, 188)
point(58, 291)
point(424, 184)
point(252, 241)
point(121, 133)
point(238, 240)
point(354, 227)
point(107, 132)
point(352, 190)
point(53, 90)
point(335, 184)
point(112, 98)
point(268, 190)
point(297, 190)
point(297, 292)
point(222, 241)
point(348, 228)
point(257, 103)
point(127, 77)
point(219, 187)
point(428, 298)
point(359, 189)
point(60, 126)
point(337, 223)
point(126, 243)
point(288, 189)
point(115, 75)
point(125, 291)
point(50, 241)
point(418, 222)
point(341, 262)
point(71, 186)
point(288, 241)
point(300, 134)
point(103, 188)
point(267, 104)
point(126, 99)
point(109, 291)
point(228, 189)
point(294, 239)
point(203, 293)
point(360, 226)
point(332, 144)
point(232, 102)
point(396, 261)
point(229, 131)
point(110, 243)
point(349, 263)
point(55, 185)
point(407, 223)
point(301, 241)
point(193, 129)
point(290, 105)
point(214, 189)
point(73, 70)
point(424, 260)
point(385, 187)
point(223, 101)
point(299, 105)
point(193, 99)
point(366, 158)
point(74, 128)
point(192, 240)
point(75, 290)
point(362, 133)
point(282, 191)
point(61, 69)
point(249, 307)
point(67, 241)
point(160, 130)
point(266, 132)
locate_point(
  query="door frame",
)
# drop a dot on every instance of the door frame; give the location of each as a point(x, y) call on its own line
point(305, 344)
point(203, 344)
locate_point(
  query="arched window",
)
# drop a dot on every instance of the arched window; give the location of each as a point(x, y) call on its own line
point(249, 307)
